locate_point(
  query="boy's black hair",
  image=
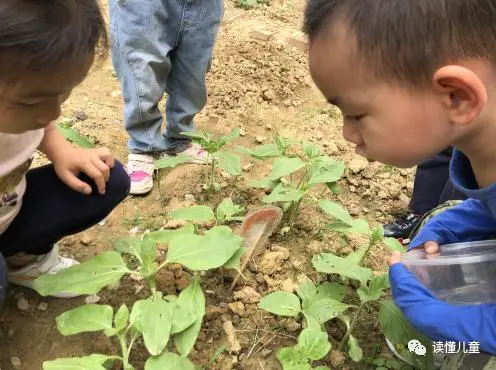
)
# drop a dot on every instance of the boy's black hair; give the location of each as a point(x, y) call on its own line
point(407, 40)
point(43, 35)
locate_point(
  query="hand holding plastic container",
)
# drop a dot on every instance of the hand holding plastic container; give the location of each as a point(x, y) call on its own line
point(462, 273)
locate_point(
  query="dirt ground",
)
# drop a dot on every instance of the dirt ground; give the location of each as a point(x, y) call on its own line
point(263, 87)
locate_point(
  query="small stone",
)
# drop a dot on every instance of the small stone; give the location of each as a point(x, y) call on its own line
point(248, 167)
point(138, 289)
point(292, 325)
point(80, 115)
point(233, 344)
point(86, 240)
point(225, 175)
point(260, 139)
point(92, 299)
point(242, 131)
point(237, 307)
point(43, 306)
point(260, 34)
point(353, 188)
point(115, 94)
point(190, 198)
point(268, 127)
point(269, 95)
point(247, 295)
point(357, 164)
point(16, 362)
point(23, 304)
point(224, 185)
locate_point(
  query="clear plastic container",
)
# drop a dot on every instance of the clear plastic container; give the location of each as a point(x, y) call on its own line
point(462, 273)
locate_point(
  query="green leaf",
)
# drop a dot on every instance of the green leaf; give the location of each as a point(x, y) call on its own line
point(283, 142)
point(74, 136)
point(334, 187)
point(84, 319)
point(89, 277)
point(313, 344)
point(263, 184)
point(226, 210)
point(312, 323)
point(394, 245)
point(209, 251)
point(354, 350)
point(357, 256)
point(357, 227)
point(172, 161)
point(76, 363)
point(285, 166)
point(153, 318)
point(235, 261)
point(291, 358)
point(165, 236)
point(321, 368)
point(148, 255)
point(194, 213)
point(393, 364)
point(329, 172)
point(281, 303)
point(129, 245)
point(332, 264)
point(311, 151)
point(121, 318)
point(198, 135)
point(231, 163)
point(307, 291)
point(282, 194)
point(333, 291)
point(336, 210)
point(325, 309)
point(399, 331)
point(262, 151)
point(193, 299)
point(169, 361)
point(374, 290)
point(234, 134)
point(377, 235)
point(183, 317)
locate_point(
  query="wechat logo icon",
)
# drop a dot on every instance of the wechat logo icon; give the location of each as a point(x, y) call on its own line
point(417, 347)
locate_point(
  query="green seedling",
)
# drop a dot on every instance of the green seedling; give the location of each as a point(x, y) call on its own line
point(229, 162)
point(156, 319)
point(293, 176)
point(226, 212)
point(66, 129)
point(248, 4)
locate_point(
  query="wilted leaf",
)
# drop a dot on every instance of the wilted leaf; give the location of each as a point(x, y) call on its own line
point(337, 211)
point(86, 318)
point(89, 277)
point(332, 264)
point(194, 213)
point(281, 303)
point(209, 251)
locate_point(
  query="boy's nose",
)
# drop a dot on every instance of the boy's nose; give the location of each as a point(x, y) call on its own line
point(351, 134)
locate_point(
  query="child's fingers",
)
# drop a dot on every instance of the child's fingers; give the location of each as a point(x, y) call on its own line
point(102, 167)
point(431, 248)
point(74, 183)
point(106, 156)
point(395, 258)
point(96, 175)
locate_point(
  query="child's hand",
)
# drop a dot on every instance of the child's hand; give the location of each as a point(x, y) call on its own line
point(95, 163)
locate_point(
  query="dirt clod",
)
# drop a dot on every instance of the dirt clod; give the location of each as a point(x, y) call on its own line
point(247, 295)
point(23, 304)
point(233, 345)
point(237, 308)
point(43, 306)
point(16, 362)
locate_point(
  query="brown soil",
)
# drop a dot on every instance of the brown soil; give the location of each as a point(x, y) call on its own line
point(263, 87)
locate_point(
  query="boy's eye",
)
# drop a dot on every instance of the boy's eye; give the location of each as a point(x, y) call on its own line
point(27, 104)
point(356, 118)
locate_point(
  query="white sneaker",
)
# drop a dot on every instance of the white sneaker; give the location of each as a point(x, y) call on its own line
point(195, 152)
point(49, 263)
point(140, 168)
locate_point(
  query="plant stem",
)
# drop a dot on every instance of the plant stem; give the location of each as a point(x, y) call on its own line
point(367, 252)
point(124, 349)
point(352, 326)
point(212, 174)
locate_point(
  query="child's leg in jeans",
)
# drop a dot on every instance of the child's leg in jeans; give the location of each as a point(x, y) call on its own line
point(51, 210)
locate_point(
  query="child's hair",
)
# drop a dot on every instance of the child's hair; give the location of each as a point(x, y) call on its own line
point(407, 40)
point(45, 35)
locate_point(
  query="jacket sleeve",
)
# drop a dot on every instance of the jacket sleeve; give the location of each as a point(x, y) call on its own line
point(438, 320)
point(467, 221)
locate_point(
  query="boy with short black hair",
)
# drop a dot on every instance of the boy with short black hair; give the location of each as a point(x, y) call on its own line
point(413, 78)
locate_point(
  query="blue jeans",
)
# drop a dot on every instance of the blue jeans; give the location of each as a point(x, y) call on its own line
point(162, 46)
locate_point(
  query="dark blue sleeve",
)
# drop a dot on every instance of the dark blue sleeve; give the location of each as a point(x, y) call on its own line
point(467, 221)
point(440, 321)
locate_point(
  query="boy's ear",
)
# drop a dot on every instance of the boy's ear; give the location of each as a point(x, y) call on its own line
point(463, 93)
